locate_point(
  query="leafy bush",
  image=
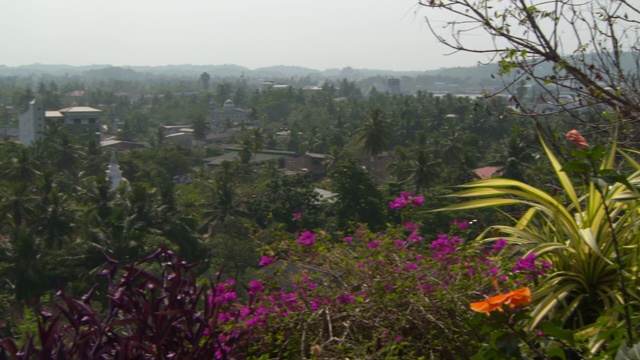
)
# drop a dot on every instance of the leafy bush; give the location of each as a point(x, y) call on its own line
point(588, 234)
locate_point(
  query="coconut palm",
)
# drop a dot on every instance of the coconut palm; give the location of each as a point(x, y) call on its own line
point(517, 156)
point(374, 134)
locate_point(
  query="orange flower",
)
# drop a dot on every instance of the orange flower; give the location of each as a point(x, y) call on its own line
point(577, 139)
point(520, 297)
point(514, 298)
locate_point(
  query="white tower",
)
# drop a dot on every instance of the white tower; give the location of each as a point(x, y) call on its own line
point(31, 124)
point(113, 172)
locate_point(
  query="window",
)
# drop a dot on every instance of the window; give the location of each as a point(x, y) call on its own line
point(77, 121)
point(92, 121)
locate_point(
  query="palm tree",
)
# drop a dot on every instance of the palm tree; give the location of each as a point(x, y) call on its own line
point(374, 134)
point(21, 168)
point(334, 156)
point(423, 171)
point(200, 128)
point(55, 223)
point(518, 156)
point(257, 142)
point(415, 167)
point(398, 166)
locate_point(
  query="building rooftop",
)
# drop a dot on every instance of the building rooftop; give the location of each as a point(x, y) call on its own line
point(53, 114)
point(260, 157)
point(74, 109)
point(487, 171)
point(316, 156)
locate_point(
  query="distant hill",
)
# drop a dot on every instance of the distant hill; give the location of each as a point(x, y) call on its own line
point(282, 71)
point(46, 69)
point(471, 74)
point(225, 70)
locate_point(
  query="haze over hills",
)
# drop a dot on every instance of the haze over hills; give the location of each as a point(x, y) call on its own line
point(225, 70)
point(480, 74)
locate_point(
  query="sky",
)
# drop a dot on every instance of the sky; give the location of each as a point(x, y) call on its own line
point(319, 34)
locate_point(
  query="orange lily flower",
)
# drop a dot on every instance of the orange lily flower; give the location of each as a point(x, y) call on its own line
point(514, 298)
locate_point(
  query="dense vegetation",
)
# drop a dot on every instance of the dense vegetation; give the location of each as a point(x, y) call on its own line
point(267, 270)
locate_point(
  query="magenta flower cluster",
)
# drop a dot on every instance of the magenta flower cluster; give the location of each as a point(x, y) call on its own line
point(531, 267)
point(463, 225)
point(266, 260)
point(406, 199)
point(307, 238)
point(241, 319)
point(443, 246)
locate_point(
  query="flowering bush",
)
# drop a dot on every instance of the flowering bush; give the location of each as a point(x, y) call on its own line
point(359, 295)
point(392, 293)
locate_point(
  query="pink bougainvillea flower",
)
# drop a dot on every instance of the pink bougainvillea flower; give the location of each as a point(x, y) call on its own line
point(417, 201)
point(577, 139)
point(406, 198)
point(348, 239)
point(499, 244)
point(297, 215)
point(373, 244)
point(527, 263)
point(266, 260)
point(414, 237)
point(307, 238)
point(411, 266)
point(410, 225)
point(255, 287)
point(398, 203)
point(529, 266)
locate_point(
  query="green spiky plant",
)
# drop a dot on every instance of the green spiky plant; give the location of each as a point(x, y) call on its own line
point(590, 234)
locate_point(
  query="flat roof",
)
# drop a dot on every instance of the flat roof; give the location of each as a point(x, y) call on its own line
point(109, 142)
point(316, 155)
point(79, 109)
point(176, 134)
point(235, 155)
point(53, 114)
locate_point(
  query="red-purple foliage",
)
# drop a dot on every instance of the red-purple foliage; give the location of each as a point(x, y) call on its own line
point(149, 316)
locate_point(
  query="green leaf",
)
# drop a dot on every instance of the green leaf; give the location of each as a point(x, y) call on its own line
point(555, 352)
point(509, 344)
point(611, 177)
point(557, 332)
point(596, 153)
point(576, 166)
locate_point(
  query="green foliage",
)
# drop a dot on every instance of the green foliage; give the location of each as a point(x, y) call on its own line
point(374, 135)
point(588, 235)
point(358, 199)
point(283, 197)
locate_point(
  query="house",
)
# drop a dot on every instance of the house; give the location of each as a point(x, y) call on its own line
point(180, 138)
point(233, 153)
point(79, 120)
point(120, 145)
point(228, 114)
point(310, 165)
point(487, 172)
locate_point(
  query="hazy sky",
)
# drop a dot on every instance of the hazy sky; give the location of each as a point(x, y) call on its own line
point(321, 34)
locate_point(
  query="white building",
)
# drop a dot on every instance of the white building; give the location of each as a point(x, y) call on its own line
point(79, 120)
point(31, 124)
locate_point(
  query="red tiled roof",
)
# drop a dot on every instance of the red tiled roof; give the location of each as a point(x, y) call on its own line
point(487, 171)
